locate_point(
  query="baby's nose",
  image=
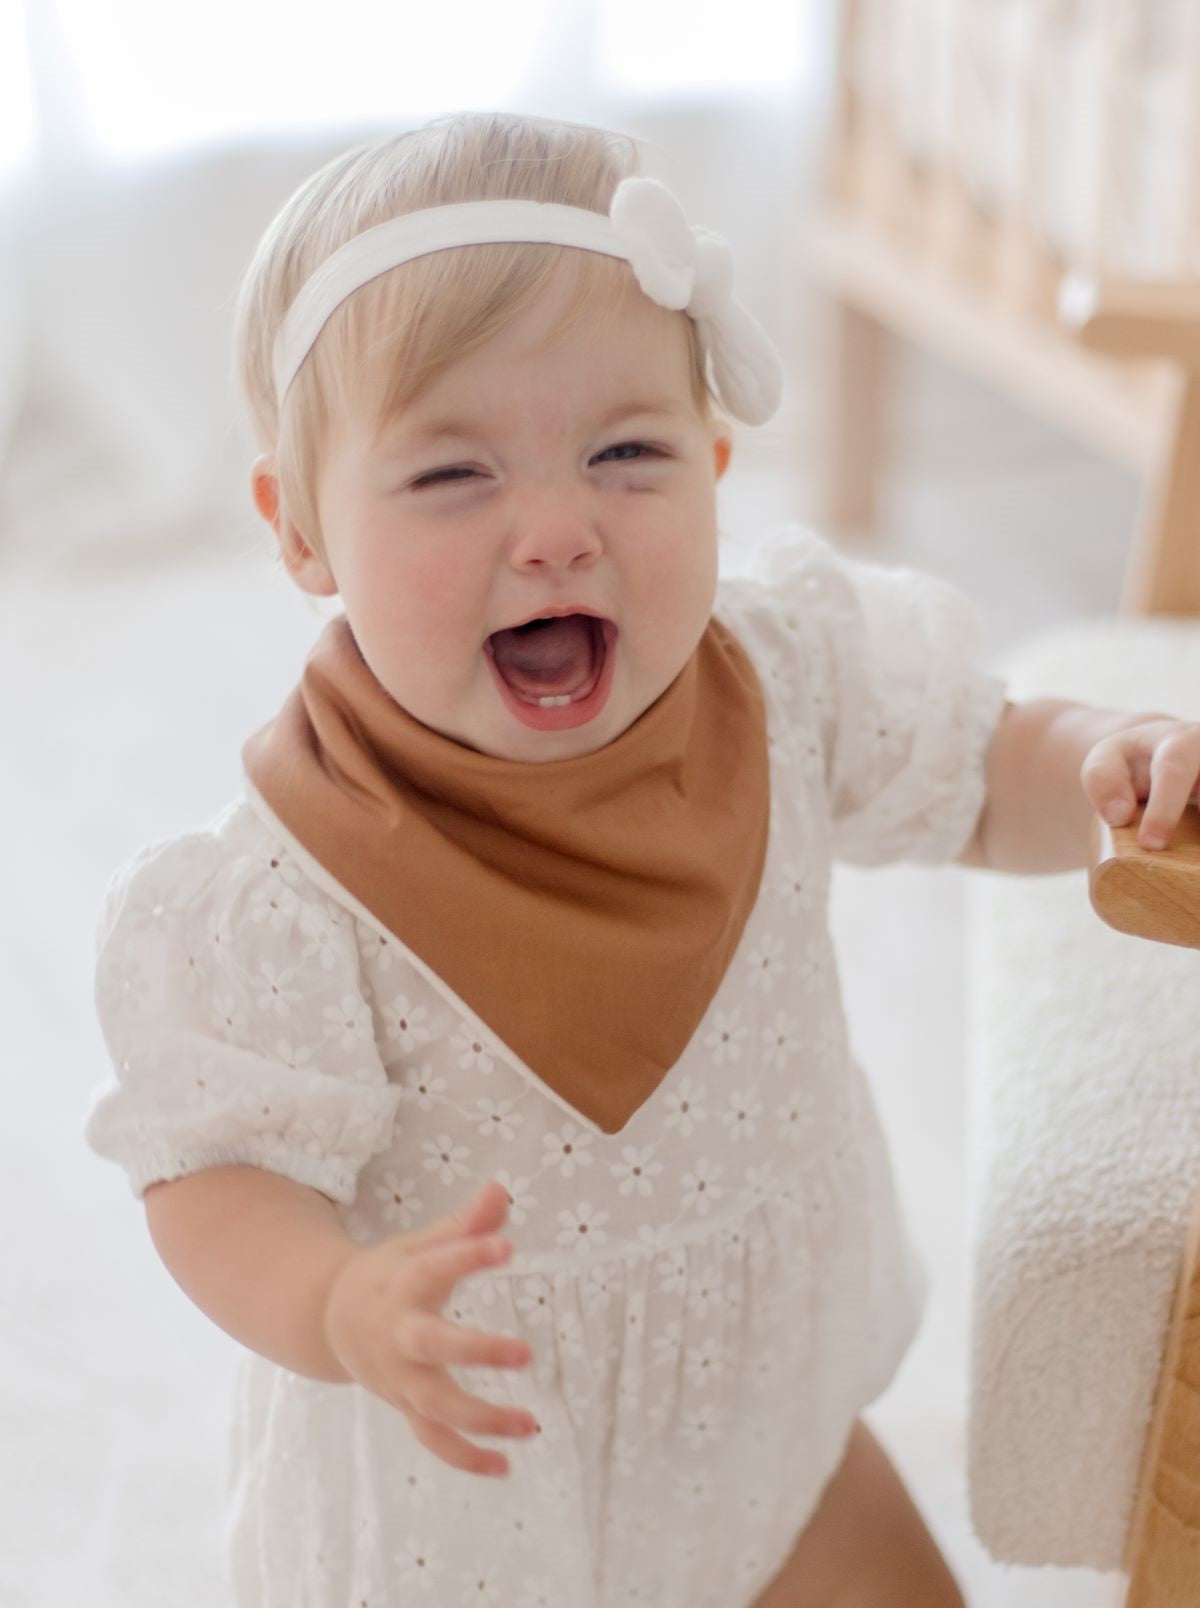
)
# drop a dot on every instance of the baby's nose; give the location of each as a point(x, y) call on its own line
point(555, 531)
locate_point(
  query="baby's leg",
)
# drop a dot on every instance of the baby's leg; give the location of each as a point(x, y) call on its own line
point(866, 1546)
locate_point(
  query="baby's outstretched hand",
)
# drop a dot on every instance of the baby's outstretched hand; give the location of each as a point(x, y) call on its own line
point(383, 1323)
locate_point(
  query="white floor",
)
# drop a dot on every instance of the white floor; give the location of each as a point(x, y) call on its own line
point(119, 698)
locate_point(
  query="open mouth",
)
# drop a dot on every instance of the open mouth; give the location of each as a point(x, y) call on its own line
point(554, 672)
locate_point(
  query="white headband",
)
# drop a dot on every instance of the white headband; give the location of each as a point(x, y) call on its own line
point(680, 267)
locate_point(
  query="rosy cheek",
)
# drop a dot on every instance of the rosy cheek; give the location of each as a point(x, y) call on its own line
point(445, 603)
point(441, 581)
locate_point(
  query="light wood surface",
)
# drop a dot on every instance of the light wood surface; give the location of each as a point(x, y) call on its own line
point(1133, 318)
point(1151, 893)
point(904, 243)
point(1132, 321)
point(1162, 573)
point(1119, 409)
point(1155, 894)
point(1162, 1551)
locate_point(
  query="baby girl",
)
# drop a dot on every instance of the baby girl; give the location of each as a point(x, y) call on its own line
point(519, 922)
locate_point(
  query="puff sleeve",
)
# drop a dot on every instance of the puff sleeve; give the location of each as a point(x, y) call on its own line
point(876, 669)
point(230, 997)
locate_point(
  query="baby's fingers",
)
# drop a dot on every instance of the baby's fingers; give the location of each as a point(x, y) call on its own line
point(428, 1339)
point(1115, 774)
point(435, 1395)
point(1173, 768)
point(1158, 761)
point(431, 1274)
point(452, 1448)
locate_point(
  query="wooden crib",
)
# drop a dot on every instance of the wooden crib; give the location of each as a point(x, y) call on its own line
point(1015, 184)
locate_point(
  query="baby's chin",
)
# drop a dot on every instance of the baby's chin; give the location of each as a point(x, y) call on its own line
point(503, 737)
point(488, 735)
point(541, 747)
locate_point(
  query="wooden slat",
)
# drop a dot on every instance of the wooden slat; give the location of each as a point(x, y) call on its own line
point(955, 232)
point(1121, 54)
point(844, 123)
point(1116, 410)
point(1188, 239)
point(885, 179)
point(1162, 574)
point(850, 424)
point(1132, 318)
point(1028, 268)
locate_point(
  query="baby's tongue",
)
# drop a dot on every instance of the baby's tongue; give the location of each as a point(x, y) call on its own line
point(546, 657)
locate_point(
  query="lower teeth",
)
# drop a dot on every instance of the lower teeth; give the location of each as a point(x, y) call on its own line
point(554, 703)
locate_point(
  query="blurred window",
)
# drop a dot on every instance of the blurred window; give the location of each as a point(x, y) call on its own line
point(16, 94)
point(668, 48)
point(135, 79)
point(156, 74)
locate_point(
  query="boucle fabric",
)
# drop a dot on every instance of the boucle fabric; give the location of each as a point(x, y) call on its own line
point(1083, 1154)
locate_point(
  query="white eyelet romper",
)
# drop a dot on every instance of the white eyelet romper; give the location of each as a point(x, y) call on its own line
point(711, 1295)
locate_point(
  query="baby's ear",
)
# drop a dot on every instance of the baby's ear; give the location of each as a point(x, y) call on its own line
point(310, 573)
point(722, 450)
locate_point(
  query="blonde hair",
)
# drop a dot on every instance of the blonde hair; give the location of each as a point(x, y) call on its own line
point(389, 339)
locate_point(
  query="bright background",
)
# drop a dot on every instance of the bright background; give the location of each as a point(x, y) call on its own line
point(144, 147)
point(143, 633)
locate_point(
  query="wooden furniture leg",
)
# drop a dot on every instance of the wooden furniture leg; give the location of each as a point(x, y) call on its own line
point(851, 403)
point(1163, 1550)
point(1156, 895)
point(1136, 322)
point(1163, 571)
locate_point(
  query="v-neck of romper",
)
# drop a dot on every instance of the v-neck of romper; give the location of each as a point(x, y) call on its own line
point(323, 878)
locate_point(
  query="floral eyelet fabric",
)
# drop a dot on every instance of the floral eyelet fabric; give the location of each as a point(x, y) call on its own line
point(711, 1295)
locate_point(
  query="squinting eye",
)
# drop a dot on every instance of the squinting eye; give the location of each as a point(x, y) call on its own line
point(442, 477)
point(626, 447)
point(627, 452)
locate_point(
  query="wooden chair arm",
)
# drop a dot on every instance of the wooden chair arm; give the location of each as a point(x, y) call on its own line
point(1133, 319)
point(1151, 893)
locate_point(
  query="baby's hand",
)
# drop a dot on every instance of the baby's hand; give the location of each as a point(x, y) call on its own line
point(1157, 760)
point(382, 1322)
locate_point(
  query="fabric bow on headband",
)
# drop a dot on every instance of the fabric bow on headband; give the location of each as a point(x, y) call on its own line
point(688, 268)
point(678, 266)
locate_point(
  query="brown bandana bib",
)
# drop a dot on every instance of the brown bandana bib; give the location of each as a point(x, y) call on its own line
point(585, 909)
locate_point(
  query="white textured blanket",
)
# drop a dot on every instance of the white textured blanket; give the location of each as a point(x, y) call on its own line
point(1083, 1155)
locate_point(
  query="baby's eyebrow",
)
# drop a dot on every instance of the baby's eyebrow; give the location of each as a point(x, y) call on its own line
point(660, 407)
point(432, 430)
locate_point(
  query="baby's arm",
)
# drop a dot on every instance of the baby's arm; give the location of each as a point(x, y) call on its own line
point(1052, 766)
point(259, 1254)
point(269, 1261)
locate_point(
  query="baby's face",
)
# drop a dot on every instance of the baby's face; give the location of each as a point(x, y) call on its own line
point(572, 483)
